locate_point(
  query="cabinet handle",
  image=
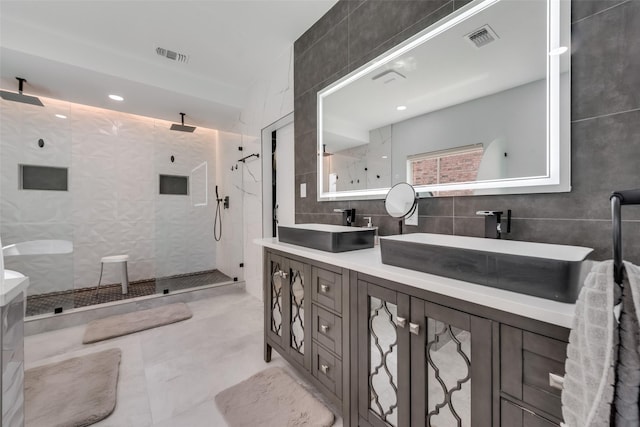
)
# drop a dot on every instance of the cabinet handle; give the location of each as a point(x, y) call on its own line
point(556, 381)
point(324, 328)
point(414, 328)
point(324, 288)
point(324, 368)
point(401, 322)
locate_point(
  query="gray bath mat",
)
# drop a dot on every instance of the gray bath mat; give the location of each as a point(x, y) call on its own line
point(272, 398)
point(72, 393)
point(123, 324)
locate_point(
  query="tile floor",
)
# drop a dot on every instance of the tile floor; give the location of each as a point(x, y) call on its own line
point(170, 375)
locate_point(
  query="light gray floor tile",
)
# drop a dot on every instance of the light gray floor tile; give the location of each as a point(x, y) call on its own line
point(169, 376)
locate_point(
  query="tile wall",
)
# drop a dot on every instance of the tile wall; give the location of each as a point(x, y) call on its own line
point(113, 206)
point(605, 122)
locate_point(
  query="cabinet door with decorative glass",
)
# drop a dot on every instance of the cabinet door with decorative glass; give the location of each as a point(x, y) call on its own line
point(275, 292)
point(298, 312)
point(383, 356)
point(451, 368)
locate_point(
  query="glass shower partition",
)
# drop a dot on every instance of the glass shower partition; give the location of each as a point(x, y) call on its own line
point(196, 237)
point(36, 200)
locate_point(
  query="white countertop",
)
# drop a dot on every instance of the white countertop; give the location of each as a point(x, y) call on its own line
point(14, 283)
point(369, 261)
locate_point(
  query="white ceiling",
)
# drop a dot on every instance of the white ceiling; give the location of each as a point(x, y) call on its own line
point(81, 51)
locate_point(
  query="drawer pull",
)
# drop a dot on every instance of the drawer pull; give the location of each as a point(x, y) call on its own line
point(283, 274)
point(414, 328)
point(556, 381)
point(324, 369)
point(324, 288)
point(401, 322)
point(324, 328)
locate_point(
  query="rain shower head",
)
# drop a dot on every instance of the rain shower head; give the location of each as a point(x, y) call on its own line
point(20, 97)
point(182, 127)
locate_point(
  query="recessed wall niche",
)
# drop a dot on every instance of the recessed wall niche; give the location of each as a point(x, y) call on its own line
point(174, 184)
point(49, 178)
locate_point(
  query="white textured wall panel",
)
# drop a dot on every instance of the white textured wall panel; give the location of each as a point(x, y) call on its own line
point(112, 206)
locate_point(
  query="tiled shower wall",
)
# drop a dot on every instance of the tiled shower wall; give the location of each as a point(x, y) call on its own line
point(605, 123)
point(112, 206)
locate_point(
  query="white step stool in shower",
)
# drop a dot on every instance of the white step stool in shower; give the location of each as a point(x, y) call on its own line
point(116, 259)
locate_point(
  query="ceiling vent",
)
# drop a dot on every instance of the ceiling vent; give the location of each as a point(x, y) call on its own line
point(174, 56)
point(482, 36)
point(387, 77)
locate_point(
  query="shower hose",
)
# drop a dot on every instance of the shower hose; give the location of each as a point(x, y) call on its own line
point(217, 222)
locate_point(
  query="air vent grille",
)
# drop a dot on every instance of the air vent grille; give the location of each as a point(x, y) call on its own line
point(174, 56)
point(482, 36)
point(388, 76)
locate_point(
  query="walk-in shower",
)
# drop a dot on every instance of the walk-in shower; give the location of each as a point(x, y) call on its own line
point(120, 188)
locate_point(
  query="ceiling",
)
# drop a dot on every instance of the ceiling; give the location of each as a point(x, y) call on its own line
point(81, 51)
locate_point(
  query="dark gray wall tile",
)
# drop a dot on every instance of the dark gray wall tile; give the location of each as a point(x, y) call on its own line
point(581, 9)
point(306, 152)
point(306, 113)
point(435, 224)
point(605, 62)
point(368, 207)
point(327, 57)
point(318, 30)
point(605, 157)
point(435, 206)
point(457, 4)
point(377, 26)
point(463, 226)
point(318, 218)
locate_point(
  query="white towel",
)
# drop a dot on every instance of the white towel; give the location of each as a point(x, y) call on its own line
point(627, 388)
point(588, 385)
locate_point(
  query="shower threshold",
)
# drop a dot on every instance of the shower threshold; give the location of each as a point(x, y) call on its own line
point(83, 297)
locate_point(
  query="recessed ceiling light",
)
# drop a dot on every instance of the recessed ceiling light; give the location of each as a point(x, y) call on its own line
point(61, 116)
point(559, 51)
point(385, 157)
point(401, 107)
point(116, 97)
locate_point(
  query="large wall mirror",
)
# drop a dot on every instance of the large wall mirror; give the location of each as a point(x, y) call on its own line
point(478, 103)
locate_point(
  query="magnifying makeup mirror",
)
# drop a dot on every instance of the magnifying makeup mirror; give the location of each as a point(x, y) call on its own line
point(401, 201)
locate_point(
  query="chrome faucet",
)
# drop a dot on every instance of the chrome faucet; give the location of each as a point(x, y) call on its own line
point(348, 216)
point(493, 223)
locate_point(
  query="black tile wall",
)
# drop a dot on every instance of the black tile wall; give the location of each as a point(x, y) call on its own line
point(605, 123)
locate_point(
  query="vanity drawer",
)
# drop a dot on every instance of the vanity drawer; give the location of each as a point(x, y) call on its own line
point(327, 329)
point(327, 368)
point(528, 362)
point(512, 415)
point(326, 288)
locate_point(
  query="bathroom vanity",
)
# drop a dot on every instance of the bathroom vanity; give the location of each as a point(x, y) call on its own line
point(395, 347)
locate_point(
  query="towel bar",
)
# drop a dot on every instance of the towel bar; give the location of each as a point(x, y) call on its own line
point(619, 198)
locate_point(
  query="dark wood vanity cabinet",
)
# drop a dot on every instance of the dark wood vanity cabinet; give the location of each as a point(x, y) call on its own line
point(531, 374)
point(307, 321)
point(388, 354)
point(420, 363)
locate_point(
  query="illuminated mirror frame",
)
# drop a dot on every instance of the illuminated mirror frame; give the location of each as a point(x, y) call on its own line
point(558, 177)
